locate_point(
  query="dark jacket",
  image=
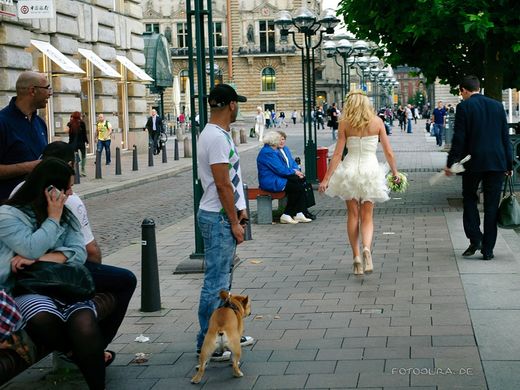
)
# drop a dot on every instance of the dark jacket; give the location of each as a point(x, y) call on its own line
point(481, 130)
point(158, 124)
point(78, 137)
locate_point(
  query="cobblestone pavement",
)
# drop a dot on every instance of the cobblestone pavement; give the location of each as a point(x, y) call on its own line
point(425, 319)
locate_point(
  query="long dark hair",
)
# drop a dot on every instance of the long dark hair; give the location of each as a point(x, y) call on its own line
point(31, 194)
point(75, 122)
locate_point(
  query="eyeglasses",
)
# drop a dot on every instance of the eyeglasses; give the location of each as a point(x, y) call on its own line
point(47, 87)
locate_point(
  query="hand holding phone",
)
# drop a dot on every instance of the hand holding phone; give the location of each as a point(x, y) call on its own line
point(53, 190)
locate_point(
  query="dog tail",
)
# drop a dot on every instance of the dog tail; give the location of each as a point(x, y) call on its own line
point(224, 295)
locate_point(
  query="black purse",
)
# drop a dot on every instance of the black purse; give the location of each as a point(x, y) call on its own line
point(509, 209)
point(309, 194)
point(66, 282)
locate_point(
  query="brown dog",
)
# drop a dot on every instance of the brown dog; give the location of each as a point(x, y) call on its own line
point(224, 331)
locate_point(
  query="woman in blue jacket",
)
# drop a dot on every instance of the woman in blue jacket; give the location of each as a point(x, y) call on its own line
point(277, 171)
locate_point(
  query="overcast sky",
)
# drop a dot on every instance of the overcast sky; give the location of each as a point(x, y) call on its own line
point(330, 4)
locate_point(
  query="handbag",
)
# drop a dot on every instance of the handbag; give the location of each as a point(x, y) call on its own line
point(309, 194)
point(67, 282)
point(509, 209)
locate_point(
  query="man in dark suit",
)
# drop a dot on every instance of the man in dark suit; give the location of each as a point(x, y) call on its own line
point(481, 131)
point(154, 125)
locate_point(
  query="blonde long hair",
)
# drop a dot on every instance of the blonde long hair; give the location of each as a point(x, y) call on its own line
point(357, 111)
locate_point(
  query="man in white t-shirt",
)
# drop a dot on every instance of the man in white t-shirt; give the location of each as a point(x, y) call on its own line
point(222, 211)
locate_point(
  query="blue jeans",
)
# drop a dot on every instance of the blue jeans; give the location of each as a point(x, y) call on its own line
point(106, 146)
point(409, 126)
point(439, 130)
point(219, 250)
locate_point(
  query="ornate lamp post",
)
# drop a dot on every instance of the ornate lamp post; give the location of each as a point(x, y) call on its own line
point(307, 23)
point(346, 49)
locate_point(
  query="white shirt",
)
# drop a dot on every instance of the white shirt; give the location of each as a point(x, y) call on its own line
point(214, 147)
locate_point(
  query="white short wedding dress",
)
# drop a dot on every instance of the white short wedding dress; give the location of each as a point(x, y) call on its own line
point(360, 176)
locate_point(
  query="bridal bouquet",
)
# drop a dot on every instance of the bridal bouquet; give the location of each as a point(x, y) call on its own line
point(398, 183)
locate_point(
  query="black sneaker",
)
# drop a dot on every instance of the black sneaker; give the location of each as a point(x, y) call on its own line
point(218, 356)
point(309, 215)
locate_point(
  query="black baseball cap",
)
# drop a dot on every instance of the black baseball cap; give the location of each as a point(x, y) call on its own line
point(222, 94)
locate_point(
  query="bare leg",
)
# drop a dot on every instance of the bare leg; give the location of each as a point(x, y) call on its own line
point(367, 224)
point(353, 225)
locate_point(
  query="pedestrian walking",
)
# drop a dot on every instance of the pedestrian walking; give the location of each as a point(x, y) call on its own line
point(23, 133)
point(333, 119)
point(439, 122)
point(222, 212)
point(359, 179)
point(294, 115)
point(409, 117)
point(259, 124)
point(103, 137)
point(78, 137)
point(480, 131)
point(154, 126)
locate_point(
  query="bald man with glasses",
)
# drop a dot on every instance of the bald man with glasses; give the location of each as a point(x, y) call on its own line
point(23, 134)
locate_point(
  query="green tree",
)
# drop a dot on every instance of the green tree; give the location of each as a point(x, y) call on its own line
point(444, 38)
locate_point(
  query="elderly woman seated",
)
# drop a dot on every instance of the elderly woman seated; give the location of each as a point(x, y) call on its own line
point(277, 172)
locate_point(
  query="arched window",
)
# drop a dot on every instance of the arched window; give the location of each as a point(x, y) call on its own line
point(183, 79)
point(268, 80)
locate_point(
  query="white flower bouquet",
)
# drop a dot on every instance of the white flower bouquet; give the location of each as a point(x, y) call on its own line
point(398, 183)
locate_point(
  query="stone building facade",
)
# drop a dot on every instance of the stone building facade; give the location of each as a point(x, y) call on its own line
point(249, 51)
point(112, 30)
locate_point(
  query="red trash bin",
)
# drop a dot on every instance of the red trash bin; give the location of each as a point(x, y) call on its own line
point(323, 153)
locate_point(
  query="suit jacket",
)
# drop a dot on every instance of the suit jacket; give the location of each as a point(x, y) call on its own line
point(158, 124)
point(481, 130)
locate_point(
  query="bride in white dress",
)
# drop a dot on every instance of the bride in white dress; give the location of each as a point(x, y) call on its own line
point(359, 179)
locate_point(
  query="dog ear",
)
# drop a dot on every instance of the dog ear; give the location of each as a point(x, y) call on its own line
point(245, 301)
point(224, 295)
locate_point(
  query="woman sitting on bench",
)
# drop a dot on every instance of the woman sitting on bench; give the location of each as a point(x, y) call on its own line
point(35, 226)
point(277, 172)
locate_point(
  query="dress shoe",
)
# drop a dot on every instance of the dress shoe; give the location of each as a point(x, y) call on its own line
point(287, 219)
point(487, 256)
point(472, 248)
point(358, 267)
point(301, 218)
point(309, 215)
point(367, 259)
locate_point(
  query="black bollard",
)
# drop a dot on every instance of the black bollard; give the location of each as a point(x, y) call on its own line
point(150, 156)
point(164, 157)
point(150, 289)
point(135, 166)
point(118, 161)
point(98, 165)
point(176, 149)
point(76, 169)
point(247, 233)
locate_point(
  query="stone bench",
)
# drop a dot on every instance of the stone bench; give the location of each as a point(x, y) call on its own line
point(264, 207)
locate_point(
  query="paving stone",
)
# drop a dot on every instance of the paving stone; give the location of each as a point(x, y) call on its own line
point(331, 381)
point(340, 354)
point(281, 382)
point(382, 380)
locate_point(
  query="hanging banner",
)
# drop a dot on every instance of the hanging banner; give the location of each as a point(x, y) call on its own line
point(36, 9)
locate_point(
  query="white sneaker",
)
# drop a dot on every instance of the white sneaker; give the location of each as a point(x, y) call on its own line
point(302, 218)
point(287, 219)
point(246, 340)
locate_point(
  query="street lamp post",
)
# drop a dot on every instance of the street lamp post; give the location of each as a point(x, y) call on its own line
point(306, 23)
point(345, 49)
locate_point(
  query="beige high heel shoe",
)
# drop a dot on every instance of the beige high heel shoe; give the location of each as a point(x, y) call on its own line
point(367, 259)
point(358, 267)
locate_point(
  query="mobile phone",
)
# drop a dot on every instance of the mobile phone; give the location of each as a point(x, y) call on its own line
point(244, 221)
point(57, 192)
